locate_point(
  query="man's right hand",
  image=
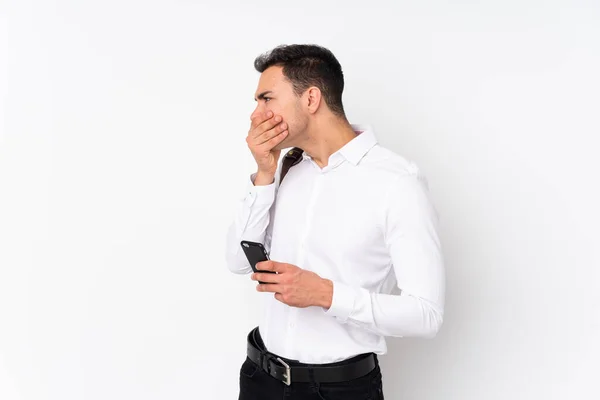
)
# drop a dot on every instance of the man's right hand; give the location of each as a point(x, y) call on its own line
point(266, 131)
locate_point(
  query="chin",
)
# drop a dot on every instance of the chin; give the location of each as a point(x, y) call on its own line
point(282, 145)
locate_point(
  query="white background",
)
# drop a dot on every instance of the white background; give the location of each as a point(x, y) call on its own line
point(122, 157)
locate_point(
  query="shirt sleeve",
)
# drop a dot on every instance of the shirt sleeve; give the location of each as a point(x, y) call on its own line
point(411, 238)
point(252, 221)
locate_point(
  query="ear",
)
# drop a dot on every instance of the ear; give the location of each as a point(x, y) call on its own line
point(313, 98)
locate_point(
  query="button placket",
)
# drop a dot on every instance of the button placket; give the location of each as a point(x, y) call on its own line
point(309, 215)
point(291, 328)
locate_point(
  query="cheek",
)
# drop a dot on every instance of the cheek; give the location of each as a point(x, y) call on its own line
point(290, 117)
point(295, 122)
point(274, 106)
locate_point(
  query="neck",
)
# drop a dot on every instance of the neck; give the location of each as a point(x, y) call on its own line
point(325, 137)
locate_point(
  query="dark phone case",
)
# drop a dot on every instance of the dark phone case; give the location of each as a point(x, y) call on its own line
point(255, 253)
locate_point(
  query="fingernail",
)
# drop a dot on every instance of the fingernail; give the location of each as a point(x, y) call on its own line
point(269, 114)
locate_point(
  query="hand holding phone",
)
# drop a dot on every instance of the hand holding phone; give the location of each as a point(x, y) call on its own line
point(255, 253)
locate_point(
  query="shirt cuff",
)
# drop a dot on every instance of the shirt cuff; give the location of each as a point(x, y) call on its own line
point(262, 194)
point(342, 303)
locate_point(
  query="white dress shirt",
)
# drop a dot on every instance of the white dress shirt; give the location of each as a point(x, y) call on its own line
point(364, 221)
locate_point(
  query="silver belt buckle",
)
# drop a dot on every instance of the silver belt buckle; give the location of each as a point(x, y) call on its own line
point(288, 372)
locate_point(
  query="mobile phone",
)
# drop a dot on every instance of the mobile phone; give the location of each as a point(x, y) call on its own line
point(255, 253)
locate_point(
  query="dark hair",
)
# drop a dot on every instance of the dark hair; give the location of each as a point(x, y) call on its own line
point(306, 65)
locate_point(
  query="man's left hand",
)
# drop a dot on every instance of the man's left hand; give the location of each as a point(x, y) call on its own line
point(294, 286)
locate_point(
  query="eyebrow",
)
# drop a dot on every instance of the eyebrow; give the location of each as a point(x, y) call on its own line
point(262, 95)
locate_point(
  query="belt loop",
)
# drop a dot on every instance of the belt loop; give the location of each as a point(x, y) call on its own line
point(265, 361)
point(311, 375)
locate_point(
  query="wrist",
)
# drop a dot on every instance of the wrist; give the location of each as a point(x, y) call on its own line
point(326, 294)
point(263, 178)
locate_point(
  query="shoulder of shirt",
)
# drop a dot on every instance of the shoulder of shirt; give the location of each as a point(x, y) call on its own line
point(387, 161)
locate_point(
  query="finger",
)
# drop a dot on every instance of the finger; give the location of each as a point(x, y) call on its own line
point(268, 265)
point(265, 277)
point(259, 118)
point(273, 136)
point(269, 287)
point(267, 127)
point(271, 139)
point(279, 297)
point(264, 265)
point(277, 138)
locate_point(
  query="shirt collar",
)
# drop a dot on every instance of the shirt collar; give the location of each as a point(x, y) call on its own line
point(355, 149)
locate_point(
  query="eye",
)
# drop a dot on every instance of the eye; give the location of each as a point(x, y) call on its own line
point(267, 99)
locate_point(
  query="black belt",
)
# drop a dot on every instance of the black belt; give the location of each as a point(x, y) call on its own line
point(279, 369)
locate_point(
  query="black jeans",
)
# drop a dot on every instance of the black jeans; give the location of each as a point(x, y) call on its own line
point(256, 384)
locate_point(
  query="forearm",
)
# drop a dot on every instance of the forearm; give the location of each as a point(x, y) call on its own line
point(251, 222)
point(385, 314)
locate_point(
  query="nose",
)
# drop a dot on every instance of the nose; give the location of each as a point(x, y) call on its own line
point(256, 111)
point(260, 108)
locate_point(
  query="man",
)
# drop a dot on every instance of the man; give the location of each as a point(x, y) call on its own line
point(350, 221)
